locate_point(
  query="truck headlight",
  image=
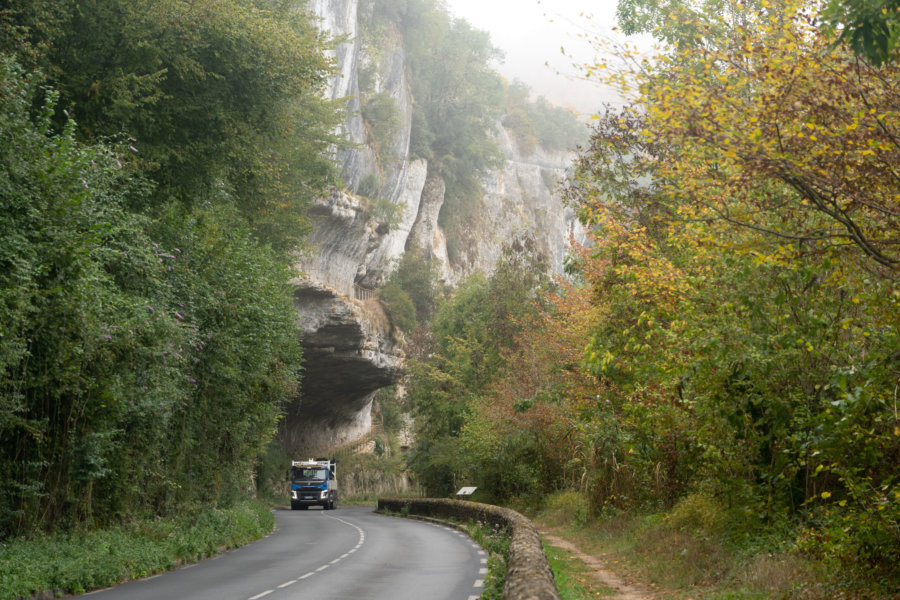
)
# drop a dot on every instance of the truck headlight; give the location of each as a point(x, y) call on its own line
point(293, 494)
point(324, 493)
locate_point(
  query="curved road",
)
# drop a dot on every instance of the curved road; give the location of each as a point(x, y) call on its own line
point(351, 553)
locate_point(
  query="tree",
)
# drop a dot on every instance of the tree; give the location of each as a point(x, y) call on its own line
point(745, 275)
point(810, 161)
point(870, 27)
point(465, 350)
point(224, 104)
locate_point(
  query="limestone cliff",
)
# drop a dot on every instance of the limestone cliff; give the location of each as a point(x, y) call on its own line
point(349, 354)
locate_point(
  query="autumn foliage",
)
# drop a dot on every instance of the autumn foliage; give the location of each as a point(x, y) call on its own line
point(732, 330)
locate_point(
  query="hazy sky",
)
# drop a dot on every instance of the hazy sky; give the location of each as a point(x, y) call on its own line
point(530, 32)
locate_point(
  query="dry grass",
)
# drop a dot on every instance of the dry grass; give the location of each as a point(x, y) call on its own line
point(685, 554)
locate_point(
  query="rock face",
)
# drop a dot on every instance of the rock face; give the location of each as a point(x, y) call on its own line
point(349, 355)
point(348, 346)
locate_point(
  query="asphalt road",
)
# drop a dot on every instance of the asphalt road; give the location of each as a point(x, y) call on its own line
point(350, 553)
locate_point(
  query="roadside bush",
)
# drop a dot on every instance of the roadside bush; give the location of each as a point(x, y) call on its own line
point(699, 514)
point(565, 507)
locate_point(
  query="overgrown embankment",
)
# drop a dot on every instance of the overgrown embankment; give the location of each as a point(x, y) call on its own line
point(82, 560)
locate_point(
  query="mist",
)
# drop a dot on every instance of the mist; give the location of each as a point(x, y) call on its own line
point(532, 35)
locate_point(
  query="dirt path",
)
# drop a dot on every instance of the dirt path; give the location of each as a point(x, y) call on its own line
point(624, 591)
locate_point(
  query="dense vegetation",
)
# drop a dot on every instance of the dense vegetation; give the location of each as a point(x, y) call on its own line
point(729, 343)
point(156, 159)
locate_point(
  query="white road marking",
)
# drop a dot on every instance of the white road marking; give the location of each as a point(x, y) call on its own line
point(478, 583)
point(483, 561)
point(362, 539)
point(481, 552)
point(482, 571)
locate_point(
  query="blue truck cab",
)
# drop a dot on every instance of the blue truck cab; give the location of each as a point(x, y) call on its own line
point(314, 482)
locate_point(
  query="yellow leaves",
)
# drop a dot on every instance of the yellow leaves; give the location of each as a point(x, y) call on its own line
point(825, 495)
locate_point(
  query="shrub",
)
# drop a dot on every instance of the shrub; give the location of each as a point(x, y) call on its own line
point(399, 307)
point(565, 507)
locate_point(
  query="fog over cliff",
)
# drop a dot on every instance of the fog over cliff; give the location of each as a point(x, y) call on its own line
point(349, 347)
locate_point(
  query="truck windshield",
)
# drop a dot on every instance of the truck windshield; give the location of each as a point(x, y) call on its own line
point(319, 473)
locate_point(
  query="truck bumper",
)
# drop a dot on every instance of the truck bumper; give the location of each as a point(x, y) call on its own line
point(303, 500)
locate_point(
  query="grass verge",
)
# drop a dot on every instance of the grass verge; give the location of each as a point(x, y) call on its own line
point(76, 562)
point(573, 577)
point(496, 543)
point(697, 550)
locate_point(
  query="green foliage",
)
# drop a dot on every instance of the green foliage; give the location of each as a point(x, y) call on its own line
point(369, 186)
point(417, 275)
point(382, 115)
point(573, 579)
point(496, 543)
point(684, 23)
point(565, 507)
point(227, 96)
point(409, 295)
point(539, 123)
point(91, 363)
point(73, 563)
point(246, 366)
point(386, 212)
point(870, 27)
point(399, 306)
point(146, 328)
point(468, 336)
point(389, 411)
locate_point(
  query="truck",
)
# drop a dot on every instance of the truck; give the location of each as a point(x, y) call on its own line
point(314, 482)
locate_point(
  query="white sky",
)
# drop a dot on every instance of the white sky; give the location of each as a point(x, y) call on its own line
point(530, 33)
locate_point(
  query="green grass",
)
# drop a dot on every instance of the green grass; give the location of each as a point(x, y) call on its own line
point(573, 577)
point(496, 543)
point(76, 562)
